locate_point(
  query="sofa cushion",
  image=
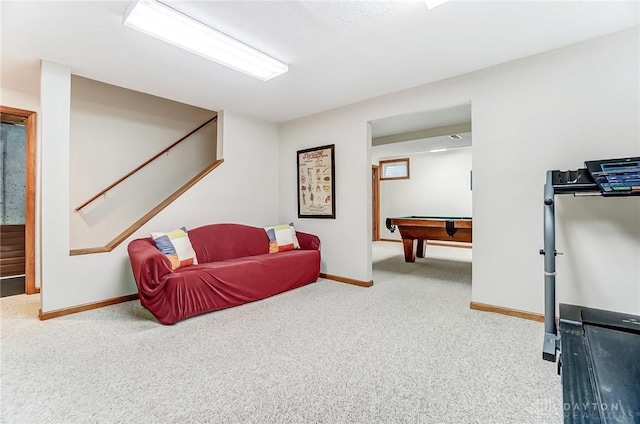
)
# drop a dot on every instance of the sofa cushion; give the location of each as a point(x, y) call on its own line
point(220, 242)
point(282, 238)
point(176, 246)
point(218, 285)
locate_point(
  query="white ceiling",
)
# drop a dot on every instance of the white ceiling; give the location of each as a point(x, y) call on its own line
point(420, 146)
point(421, 120)
point(339, 52)
point(414, 122)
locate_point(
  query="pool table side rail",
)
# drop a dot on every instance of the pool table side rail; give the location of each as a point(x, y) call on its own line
point(438, 223)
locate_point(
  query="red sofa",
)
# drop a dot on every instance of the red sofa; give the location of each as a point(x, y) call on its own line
point(234, 267)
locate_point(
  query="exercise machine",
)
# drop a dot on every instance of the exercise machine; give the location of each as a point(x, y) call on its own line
point(599, 350)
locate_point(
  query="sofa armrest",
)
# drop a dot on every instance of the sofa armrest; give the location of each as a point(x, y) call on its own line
point(308, 241)
point(149, 265)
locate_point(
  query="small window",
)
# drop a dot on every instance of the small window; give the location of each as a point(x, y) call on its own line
point(395, 169)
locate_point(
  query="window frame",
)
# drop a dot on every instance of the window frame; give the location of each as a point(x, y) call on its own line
point(384, 163)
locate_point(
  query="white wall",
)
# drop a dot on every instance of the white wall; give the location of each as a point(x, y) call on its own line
point(19, 99)
point(114, 130)
point(55, 86)
point(439, 186)
point(243, 189)
point(344, 239)
point(549, 111)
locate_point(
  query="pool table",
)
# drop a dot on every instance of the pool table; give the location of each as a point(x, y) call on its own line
point(423, 228)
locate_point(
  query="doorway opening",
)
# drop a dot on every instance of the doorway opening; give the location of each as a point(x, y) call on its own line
point(17, 211)
point(436, 147)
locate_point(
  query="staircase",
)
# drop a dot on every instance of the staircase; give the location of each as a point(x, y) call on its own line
point(110, 201)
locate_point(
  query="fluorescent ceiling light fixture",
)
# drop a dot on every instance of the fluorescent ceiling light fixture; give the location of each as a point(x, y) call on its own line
point(434, 3)
point(167, 24)
point(437, 150)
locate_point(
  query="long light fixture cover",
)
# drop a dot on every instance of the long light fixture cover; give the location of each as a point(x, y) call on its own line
point(167, 24)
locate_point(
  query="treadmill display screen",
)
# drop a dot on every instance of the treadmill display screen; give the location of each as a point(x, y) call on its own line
point(616, 176)
point(620, 167)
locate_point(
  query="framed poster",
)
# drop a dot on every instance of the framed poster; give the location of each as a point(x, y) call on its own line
point(316, 183)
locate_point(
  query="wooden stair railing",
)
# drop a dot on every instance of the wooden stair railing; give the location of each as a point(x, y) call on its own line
point(139, 167)
point(153, 212)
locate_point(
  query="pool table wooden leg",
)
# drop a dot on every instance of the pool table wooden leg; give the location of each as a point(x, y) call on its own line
point(409, 256)
point(420, 248)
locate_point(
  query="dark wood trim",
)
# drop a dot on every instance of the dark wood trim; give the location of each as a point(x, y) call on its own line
point(17, 112)
point(139, 167)
point(30, 196)
point(394, 240)
point(435, 222)
point(30, 214)
point(506, 311)
point(352, 281)
point(375, 177)
point(153, 212)
point(86, 307)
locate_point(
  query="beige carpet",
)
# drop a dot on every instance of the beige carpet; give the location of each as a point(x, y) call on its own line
point(407, 350)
